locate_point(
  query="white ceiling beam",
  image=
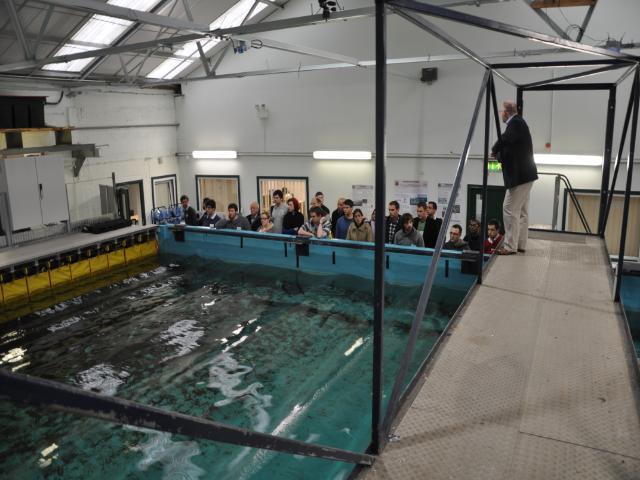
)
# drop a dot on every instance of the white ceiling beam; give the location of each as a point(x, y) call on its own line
point(17, 28)
point(288, 47)
point(94, 6)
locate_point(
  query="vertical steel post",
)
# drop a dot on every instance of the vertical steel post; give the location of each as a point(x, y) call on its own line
point(606, 163)
point(377, 433)
point(556, 203)
point(485, 174)
point(519, 100)
point(627, 192)
point(623, 138)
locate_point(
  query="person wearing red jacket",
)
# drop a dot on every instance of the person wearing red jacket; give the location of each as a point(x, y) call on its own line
point(493, 236)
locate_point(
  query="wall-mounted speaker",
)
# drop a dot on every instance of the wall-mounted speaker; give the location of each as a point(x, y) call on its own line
point(429, 75)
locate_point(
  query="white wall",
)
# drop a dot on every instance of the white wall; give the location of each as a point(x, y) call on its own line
point(132, 153)
point(334, 110)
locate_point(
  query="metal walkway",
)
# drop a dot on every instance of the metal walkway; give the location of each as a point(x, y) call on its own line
point(535, 382)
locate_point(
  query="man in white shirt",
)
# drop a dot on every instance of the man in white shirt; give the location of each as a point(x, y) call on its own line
point(278, 211)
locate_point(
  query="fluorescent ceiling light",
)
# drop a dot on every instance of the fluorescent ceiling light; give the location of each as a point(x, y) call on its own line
point(557, 159)
point(214, 154)
point(341, 155)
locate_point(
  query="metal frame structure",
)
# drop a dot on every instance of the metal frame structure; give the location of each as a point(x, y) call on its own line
point(42, 392)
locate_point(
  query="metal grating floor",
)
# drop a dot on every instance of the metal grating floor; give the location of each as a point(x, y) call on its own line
point(534, 383)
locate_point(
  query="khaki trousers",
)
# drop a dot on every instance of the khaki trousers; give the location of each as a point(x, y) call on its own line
point(515, 212)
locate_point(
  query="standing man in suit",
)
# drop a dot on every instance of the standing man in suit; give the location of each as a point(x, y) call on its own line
point(427, 223)
point(514, 150)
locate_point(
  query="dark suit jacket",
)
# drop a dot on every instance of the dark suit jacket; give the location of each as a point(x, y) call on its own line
point(514, 150)
point(431, 230)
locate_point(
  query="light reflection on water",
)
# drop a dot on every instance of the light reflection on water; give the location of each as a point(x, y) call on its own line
point(284, 354)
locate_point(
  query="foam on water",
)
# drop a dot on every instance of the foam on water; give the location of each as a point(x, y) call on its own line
point(102, 378)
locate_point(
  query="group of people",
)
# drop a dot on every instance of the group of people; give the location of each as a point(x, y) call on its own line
point(345, 223)
point(514, 150)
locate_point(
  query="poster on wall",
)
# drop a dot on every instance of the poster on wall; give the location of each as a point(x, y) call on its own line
point(409, 193)
point(444, 193)
point(363, 198)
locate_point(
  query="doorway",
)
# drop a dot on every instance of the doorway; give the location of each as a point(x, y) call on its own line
point(223, 189)
point(131, 201)
point(291, 187)
point(164, 191)
point(495, 199)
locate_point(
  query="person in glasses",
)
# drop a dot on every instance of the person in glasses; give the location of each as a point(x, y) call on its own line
point(266, 226)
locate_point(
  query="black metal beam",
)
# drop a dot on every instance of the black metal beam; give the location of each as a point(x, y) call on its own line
point(433, 267)
point(37, 391)
point(606, 159)
point(443, 36)
point(506, 29)
point(616, 168)
point(560, 63)
point(573, 76)
point(569, 86)
point(377, 430)
point(485, 174)
point(627, 193)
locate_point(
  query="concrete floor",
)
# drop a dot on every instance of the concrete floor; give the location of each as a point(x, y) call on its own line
point(535, 382)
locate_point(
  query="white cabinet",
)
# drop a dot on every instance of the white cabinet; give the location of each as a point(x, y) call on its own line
point(37, 192)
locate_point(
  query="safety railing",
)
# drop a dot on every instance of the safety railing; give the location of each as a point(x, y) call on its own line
point(559, 177)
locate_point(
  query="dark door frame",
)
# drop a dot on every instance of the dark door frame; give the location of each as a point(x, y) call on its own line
point(153, 190)
point(277, 177)
point(237, 177)
point(565, 193)
point(494, 188)
point(140, 184)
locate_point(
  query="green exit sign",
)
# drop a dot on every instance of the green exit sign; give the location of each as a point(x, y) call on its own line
point(495, 166)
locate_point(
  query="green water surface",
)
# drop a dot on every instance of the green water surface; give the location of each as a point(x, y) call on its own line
point(273, 351)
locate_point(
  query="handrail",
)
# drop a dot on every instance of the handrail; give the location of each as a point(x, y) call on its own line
point(574, 199)
point(280, 237)
point(431, 272)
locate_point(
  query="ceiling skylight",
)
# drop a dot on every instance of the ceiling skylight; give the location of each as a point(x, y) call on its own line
point(99, 29)
point(233, 17)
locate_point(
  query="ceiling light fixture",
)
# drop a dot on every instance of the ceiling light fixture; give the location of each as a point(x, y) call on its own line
point(341, 155)
point(214, 154)
point(575, 160)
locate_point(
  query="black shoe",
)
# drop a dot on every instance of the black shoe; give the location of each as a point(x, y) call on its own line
point(521, 250)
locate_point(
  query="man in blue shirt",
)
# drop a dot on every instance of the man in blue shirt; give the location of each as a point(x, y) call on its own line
point(344, 222)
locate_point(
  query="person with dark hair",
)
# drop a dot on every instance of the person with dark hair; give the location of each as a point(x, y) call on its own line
point(493, 236)
point(335, 215)
point(455, 241)
point(293, 220)
point(345, 220)
point(407, 235)
point(210, 217)
point(318, 225)
point(319, 196)
point(278, 210)
point(392, 221)
point(254, 217)
point(359, 230)
point(473, 238)
point(188, 213)
point(427, 223)
point(514, 150)
point(233, 220)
